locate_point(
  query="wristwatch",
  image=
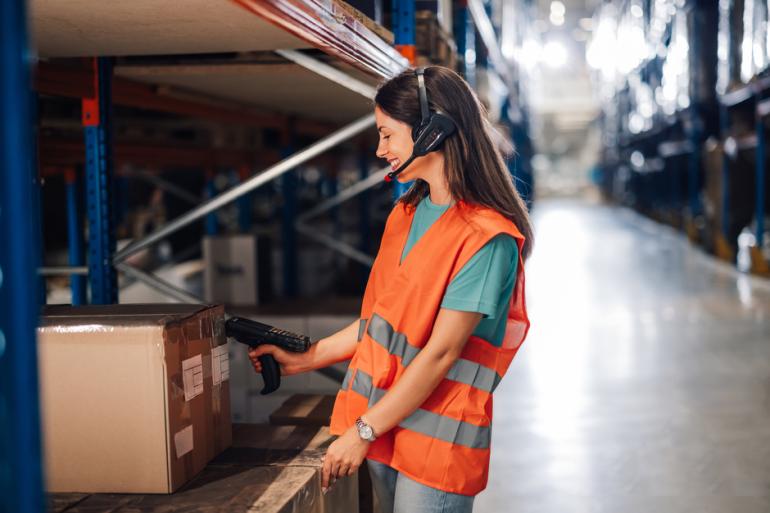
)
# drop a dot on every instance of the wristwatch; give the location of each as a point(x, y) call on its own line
point(365, 431)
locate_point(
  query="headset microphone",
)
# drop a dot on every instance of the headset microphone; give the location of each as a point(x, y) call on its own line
point(433, 129)
point(393, 174)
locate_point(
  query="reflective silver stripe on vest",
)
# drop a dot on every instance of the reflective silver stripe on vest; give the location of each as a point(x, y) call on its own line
point(383, 333)
point(428, 423)
point(463, 371)
point(362, 384)
point(447, 429)
point(361, 329)
point(474, 374)
point(346, 381)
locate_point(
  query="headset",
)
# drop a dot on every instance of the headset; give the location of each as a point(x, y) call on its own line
point(434, 127)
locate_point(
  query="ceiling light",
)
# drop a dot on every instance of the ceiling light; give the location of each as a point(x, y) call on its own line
point(557, 8)
point(555, 54)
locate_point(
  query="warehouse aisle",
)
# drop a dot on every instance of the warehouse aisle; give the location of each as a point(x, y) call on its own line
point(645, 382)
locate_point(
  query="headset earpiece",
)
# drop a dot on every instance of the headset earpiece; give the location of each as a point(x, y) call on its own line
point(434, 126)
point(431, 136)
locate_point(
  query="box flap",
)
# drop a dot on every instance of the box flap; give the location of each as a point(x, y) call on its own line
point(118, 315)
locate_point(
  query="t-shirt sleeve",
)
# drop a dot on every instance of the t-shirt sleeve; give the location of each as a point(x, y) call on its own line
point(480, 283)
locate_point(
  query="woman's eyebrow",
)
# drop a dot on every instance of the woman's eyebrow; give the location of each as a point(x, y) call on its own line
point(380, 128)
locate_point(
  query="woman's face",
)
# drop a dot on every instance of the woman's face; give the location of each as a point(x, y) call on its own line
point(395, 144)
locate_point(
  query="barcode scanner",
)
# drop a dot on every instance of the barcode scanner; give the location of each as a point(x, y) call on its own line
point(253, 334)
point(430, 133)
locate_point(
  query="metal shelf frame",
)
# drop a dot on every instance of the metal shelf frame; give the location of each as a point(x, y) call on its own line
point(676, 141)
point(21, 480)
point(325, 25)
point(757, 96)
point(97, 114)
point(282, 169)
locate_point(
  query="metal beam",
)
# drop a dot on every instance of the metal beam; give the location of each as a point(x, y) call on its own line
point(21, 480)
point(341, 247)
point(269, 174)
point(57, 152)
point(75, 238)
point(72, 81)
point(759, 185)
point(354, 190)
point(158, 284)
point(99, 168)
point(328, 72)
point(63, 270)
point(164, 185)
point(487, 32)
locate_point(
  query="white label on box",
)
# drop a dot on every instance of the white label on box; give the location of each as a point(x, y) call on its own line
point(192, 377)
point(220, 364)
point(183, 441)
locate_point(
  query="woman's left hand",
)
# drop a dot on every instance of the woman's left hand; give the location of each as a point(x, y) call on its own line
point(343, 457)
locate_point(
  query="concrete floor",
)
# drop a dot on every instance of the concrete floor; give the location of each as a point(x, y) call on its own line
point(645, 382)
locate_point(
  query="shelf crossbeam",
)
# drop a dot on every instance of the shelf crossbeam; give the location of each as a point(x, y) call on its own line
point(329, 72)
point(253, 183)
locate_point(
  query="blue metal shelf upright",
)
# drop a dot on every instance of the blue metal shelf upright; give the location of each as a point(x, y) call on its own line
point(20, 469)
point(404, 34)
point(97, 113)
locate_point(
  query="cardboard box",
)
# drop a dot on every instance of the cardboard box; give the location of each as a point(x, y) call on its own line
point(232, 274)
point(134, 398)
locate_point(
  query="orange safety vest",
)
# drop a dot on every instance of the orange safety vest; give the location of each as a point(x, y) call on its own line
point(445, 443)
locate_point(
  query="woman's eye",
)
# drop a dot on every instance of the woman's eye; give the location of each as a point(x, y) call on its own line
point(386, 137)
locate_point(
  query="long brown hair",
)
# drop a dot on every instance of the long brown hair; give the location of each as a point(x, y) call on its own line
point(474, 167)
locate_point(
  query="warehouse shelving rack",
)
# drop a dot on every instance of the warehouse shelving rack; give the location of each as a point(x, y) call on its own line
point(83, 29)
point(359, 58)
point(754, 100)
point(669, 183)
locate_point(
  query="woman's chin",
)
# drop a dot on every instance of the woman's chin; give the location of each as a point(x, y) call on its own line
point(406, 176)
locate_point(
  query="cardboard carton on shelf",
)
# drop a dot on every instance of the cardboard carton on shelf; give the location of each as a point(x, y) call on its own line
point(134, 398)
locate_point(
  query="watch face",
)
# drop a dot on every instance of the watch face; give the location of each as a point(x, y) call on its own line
point(366, 432)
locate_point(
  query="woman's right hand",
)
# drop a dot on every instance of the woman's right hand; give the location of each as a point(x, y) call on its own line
point(290, 363)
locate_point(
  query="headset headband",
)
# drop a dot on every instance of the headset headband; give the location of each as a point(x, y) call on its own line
point(423, 92)
point(432, 130)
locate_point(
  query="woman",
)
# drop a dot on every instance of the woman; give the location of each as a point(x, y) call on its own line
point(443, 313)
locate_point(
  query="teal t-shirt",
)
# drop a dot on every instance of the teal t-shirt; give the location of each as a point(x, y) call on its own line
point(485, 284)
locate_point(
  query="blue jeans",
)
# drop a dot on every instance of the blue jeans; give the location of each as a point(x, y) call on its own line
point(396, 493)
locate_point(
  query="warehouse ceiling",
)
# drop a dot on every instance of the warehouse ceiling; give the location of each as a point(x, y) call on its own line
point(560, 94)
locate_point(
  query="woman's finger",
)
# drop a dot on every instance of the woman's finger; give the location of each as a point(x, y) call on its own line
point(326, 474)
